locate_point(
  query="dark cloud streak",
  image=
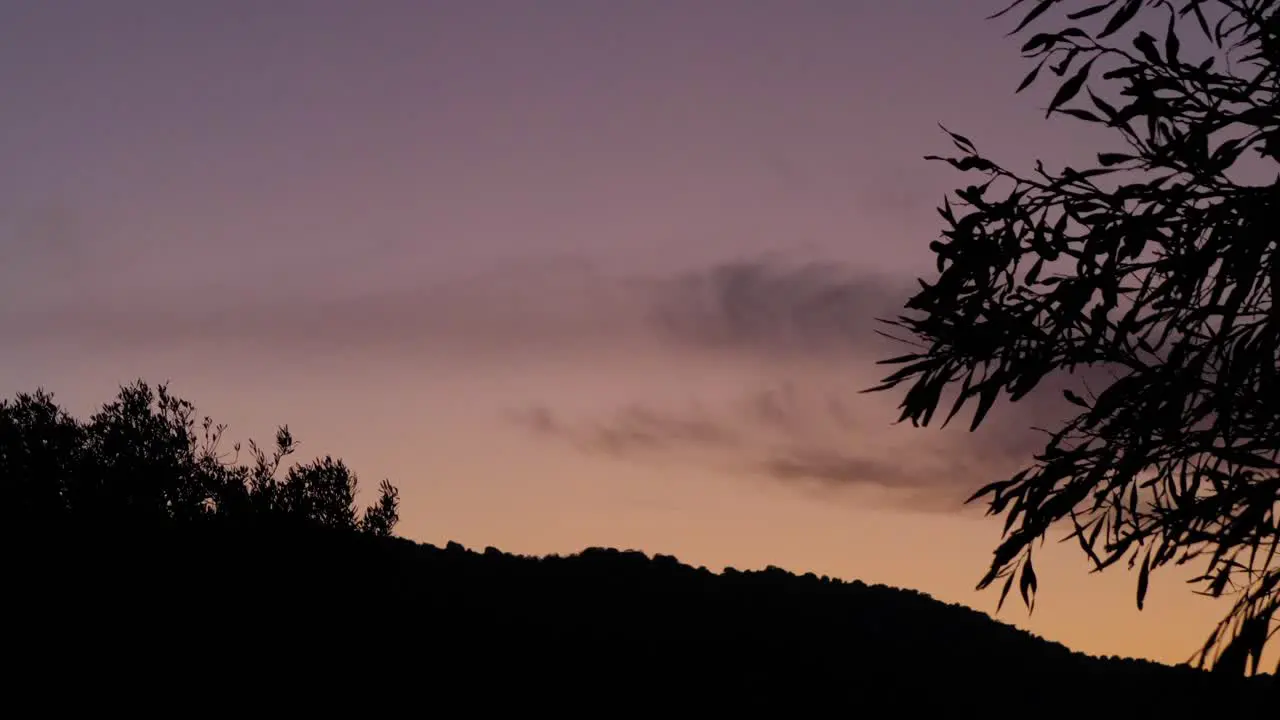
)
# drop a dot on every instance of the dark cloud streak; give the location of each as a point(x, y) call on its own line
point(761, 307)
point(814, 436)
point(829, 466)
point(633, 431)
point(776, 309)
point(769, 310)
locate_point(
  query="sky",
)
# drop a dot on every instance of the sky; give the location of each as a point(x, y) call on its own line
point(568, 273)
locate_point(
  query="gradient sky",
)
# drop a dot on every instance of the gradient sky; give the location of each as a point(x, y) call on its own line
point(569, 273)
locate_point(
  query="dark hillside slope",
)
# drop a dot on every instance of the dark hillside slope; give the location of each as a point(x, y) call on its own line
point(449, 617)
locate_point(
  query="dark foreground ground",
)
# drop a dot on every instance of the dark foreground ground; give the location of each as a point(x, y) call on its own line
point(195, 618)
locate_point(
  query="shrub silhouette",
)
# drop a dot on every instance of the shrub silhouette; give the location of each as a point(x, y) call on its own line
point(141, 461)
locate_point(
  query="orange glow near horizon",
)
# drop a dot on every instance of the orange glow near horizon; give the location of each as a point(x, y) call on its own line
point(548, 268)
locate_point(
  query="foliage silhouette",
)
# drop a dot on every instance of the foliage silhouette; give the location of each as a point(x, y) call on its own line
point(139, 462)
point(1157, 264)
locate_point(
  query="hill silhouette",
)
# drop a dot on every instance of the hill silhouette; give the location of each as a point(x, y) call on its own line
point(310, 598)
point(138, 564)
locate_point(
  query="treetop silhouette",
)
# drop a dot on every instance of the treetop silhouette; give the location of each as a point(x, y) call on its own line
point(141, 461)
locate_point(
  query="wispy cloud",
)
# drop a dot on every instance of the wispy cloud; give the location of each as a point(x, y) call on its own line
point(805, 435)
point(809, 431)
point(828, 465)
point(791, 317)
point(749, 307)
point(777, 309)
point(805, 427)
point(635, 431)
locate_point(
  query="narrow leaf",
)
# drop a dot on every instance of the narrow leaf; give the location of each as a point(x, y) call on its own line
point(986, 399)
point(1069, 88)
point(1075, 399)
point(1103, 105)
point(1094, 10)
point(1147, 46)
point(1030, 78)
point(961, 397)
point(1144, 576)
point(1171, 42)
point(963, 141)
point(1200, 18)
point(1007, 8)
point(1121, 18)
point(1027, 584)
point(1036, 12)
point(1109, 159)
point(1004, 592)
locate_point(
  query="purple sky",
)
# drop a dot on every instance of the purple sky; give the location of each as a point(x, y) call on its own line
point(570, 273)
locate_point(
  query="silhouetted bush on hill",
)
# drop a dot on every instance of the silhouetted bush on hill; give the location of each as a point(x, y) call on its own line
point(140, 461)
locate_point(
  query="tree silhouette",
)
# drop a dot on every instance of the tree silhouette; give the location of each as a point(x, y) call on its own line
point(139, 461)
point(1155, 266)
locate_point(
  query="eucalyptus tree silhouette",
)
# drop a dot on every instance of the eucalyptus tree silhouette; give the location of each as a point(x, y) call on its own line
point(1157, 263)
point(139, 461)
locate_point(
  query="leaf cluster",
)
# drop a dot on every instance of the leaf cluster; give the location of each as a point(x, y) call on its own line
point(1156, 265)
